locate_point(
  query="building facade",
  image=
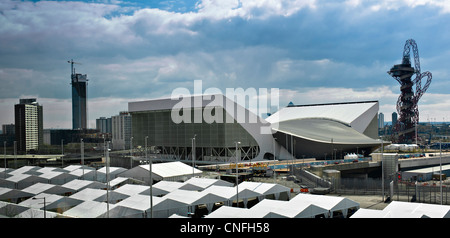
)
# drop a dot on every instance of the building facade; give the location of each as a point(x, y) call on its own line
point(79, 101)
point(212, 129)
point(28, 125)
point(121, 131)
point(104, 125)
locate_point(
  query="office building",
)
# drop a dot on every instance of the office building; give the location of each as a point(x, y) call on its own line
point(394, 118)
point(28, 125)
point(121, 131)
point(79, 101)
point(104, 125)
point(380, 120)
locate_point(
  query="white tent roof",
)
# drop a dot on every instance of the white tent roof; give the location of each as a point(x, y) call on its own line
point(345, 112)
point(88, 209)
point(51, 169)
point(47, 188)
point(172, 169)
point(274, 208)
point(81, 184)
point(39, 203)
point(184, 196)
point(71, 168)
point(9, 193)
point(132, 189)
point(230, 212)
point(36, 213)
point(408, 209)
point(369, 213)
point(199, 184)
point(264, 188)
point(63, 204)
point(10, 209)
point(24, 169)
point(90, 194)
point(164, 187)
point(330, 203)
point(117, 181)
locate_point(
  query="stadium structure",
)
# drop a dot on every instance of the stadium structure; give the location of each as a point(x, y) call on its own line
point(215, 128)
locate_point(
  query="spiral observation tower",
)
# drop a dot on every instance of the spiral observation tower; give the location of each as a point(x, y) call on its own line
point(407, 103)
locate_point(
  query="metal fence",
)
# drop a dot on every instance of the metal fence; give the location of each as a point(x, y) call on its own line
point(397, 190)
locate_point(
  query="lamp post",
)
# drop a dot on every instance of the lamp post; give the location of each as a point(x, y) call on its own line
point(382, 168)
point(193, 154)
point(131, 152)
point(4, 156)
point(107, 179)
point(237, 174)
point(440, 167)
point(62, 153)
point(34, 198)
point(150, 177)
point(82, 156)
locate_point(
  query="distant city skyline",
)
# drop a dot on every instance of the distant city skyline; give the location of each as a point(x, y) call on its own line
point(313, 51)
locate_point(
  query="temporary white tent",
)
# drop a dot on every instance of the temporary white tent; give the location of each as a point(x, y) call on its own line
point(199, 184)
point(113, 173)
point(171, 171)
point(36, 213)
point(230, 212)
point(269, 208)
point(99, 195)
point(48, 188)
point(139, 206)
point(21, 181)
point(39, 202)
point(63, 204)
point(228, 194)
point(78, 185)
point(131, 189)
point(89, 209)
point(397, 209)
point(24, 169)
point(10, 210)
point(331, 203)
point(164, 187)
point(267, 190)
point(428, 210)
point(59, 178)
point(369, 213)
point(13, 195)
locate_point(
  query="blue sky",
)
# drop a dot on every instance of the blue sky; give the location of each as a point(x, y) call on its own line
point(314, 51)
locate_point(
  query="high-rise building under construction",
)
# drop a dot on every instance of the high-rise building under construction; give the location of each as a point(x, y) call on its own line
point(79, 99)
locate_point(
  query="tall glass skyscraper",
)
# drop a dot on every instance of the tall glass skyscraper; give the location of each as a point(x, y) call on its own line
point(79, 100)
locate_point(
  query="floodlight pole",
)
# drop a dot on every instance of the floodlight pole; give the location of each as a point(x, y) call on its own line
point(131, 152)
point(4, 156)
point(382, 168)
point(45, 213)
point(237, 174)
point(440, 167)
point(150, 177)
point(193, 155)
point(107, 179)
point(82, 156)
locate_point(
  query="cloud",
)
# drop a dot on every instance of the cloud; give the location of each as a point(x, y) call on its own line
point(131, 49)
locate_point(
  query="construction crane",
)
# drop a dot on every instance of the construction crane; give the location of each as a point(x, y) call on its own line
point(407, 103)
point(72, 63)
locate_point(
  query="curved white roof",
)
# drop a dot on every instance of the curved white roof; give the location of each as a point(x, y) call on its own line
point(356, 114)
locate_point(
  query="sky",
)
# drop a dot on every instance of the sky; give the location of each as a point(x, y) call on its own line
point(313, 51)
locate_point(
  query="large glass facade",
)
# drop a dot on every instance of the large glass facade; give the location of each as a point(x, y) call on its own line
point(212, 139)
